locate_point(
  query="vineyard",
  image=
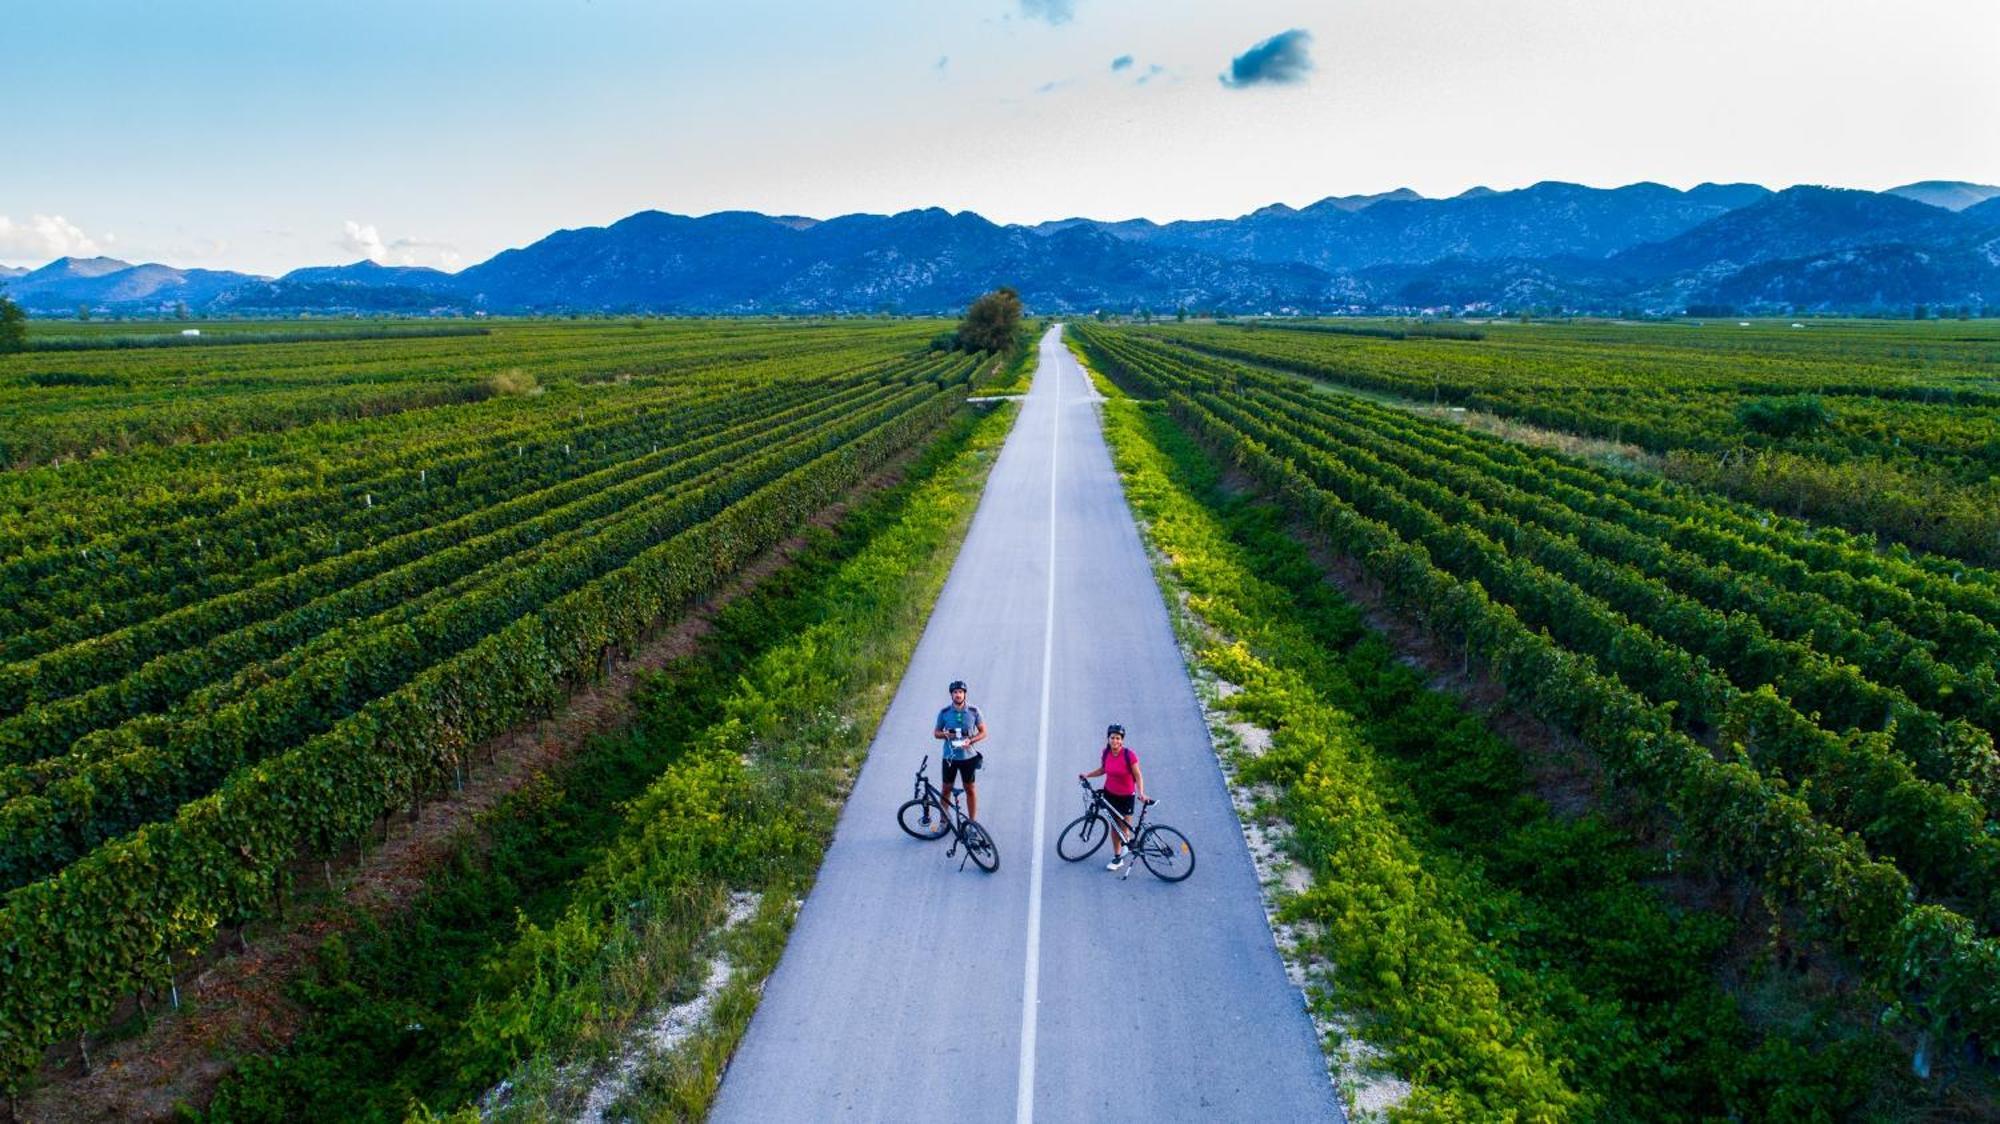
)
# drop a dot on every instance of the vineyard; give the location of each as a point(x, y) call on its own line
point(1808, 716)
point(255, 596)
point(1883, 428)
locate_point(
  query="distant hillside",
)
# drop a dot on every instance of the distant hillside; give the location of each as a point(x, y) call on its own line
point(366, 272)
point(1546, 220)
point(1797, 222)
point(1886, 278)
point(1987, 213)
point(65, 283)
point(265, 298)
point(1643, 247)
point(1952, 195)
point(930, 260)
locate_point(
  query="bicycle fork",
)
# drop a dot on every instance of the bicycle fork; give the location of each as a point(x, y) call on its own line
point(957, 841)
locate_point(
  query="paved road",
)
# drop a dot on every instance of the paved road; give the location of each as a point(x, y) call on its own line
point(914, 990)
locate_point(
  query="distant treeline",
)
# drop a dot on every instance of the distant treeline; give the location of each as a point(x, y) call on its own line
point(115, 343)
point(1413, 331)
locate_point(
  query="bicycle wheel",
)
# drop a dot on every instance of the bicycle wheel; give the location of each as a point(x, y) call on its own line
point(979, 846)
point(1166, 853)
point(1081, 839)
point(922, 818)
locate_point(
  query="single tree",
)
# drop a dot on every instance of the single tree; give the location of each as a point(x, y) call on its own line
point(992, 322)
point(13, 326)
point(83, 312)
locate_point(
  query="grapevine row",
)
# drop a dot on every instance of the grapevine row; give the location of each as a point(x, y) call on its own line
point(109, 924)
point(140, 772)
point(1943, 971)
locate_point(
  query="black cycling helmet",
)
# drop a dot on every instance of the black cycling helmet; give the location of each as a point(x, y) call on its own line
point(1114, 728)
point(956, 685)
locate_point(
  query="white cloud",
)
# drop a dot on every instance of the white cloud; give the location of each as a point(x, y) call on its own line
point(364, 239)
point(43, 238)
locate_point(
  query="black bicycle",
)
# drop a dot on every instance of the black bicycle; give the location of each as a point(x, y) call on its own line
point(924, 815)
point(1164, 850)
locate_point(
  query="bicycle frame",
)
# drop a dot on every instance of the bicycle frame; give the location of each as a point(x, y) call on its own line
point(952, 819)
point(1164, 850)
point(925, 790)
point(1115, 818)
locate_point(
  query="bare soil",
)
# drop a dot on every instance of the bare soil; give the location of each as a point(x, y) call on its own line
point(236, 1002)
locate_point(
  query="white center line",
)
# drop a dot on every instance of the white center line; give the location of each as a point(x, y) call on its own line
point(1024, 1092)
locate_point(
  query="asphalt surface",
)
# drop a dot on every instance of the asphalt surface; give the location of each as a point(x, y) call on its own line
point(913, 989)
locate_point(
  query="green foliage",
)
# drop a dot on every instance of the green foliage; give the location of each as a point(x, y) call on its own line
point(1016, 371)
point(276, 713)
point(615, 888)
point(132, 774)
point(1911, 407)
point(212, 337)
point(1795, 416)
point(1480, 540)
point(992, 322)
point(1394, 330)
point(424, 968)
point(246, 396)
point(1512, 962)
point(13, 326)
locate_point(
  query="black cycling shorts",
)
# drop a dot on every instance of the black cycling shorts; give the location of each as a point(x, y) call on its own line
point(1123, 803)
point(966, 768)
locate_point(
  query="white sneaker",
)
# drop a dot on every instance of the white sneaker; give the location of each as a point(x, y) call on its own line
point(1116, 863)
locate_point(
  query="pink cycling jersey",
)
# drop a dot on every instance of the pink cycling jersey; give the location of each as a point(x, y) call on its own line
point(1118, 779)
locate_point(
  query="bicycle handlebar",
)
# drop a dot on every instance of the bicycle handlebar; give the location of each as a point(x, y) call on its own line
point(1088, 787)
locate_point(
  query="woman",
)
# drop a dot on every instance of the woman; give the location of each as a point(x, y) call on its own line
point(1124, 785)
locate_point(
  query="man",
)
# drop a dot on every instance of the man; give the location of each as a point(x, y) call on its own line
point(960, 728)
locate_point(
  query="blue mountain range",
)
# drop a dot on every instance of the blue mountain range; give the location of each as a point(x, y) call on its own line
point(1553, 245)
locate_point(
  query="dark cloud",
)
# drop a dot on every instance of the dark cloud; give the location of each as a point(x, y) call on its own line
point(1051, 11)
point(1279, 60)
point(1122, 62)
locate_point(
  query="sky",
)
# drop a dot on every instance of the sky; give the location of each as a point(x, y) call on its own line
point(266, 136)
